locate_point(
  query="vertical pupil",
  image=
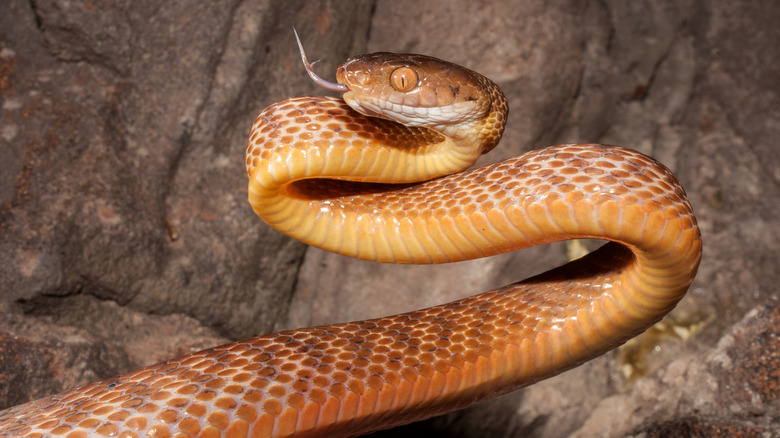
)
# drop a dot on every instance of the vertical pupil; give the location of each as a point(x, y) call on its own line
point(404, 79)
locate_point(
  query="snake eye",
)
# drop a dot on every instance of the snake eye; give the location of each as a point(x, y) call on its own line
point(403, 79)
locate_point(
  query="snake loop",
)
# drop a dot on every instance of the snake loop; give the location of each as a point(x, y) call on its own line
point(369, 177)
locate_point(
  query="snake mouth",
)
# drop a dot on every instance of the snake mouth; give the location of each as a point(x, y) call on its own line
point(437, 117)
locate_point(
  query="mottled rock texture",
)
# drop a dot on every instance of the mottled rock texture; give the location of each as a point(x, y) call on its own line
point(125, 236)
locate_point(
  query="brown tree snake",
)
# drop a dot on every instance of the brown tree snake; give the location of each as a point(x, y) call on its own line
point(380, 176)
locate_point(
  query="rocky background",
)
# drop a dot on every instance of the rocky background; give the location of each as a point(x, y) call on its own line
point(126, 238)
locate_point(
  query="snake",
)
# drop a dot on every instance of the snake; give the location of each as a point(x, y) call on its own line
point(382, 174)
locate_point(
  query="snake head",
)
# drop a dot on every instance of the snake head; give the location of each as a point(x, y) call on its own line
point(421, 91)
point(414, 90)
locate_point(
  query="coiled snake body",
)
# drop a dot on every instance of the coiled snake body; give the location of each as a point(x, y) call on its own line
point(323, 172)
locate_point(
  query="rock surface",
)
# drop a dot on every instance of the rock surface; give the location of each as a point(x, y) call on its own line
point(125, 237)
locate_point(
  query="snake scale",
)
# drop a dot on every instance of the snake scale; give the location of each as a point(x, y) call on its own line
point(380, 176)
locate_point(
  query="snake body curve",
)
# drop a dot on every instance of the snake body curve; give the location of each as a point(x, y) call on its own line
point(325, 173)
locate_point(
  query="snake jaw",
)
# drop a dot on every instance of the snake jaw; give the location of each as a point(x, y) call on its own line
point(454, 120)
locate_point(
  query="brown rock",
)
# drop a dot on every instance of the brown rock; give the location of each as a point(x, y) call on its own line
point(122, 190)
point(121, 168)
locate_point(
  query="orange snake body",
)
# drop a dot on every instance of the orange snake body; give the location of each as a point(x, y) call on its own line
point(326, 174)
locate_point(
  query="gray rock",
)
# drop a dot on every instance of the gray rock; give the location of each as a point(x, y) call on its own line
point(125, 237)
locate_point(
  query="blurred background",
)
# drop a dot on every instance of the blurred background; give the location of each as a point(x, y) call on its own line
point(126, 238)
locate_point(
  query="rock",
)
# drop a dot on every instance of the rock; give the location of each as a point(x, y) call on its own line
point(122, 175)
point(122, 192)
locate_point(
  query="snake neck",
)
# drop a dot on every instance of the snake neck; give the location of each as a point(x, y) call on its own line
point(492, 126)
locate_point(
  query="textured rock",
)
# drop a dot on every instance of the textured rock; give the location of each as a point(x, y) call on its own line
point(123, 131)
point(730, 390)
point(123, 217)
